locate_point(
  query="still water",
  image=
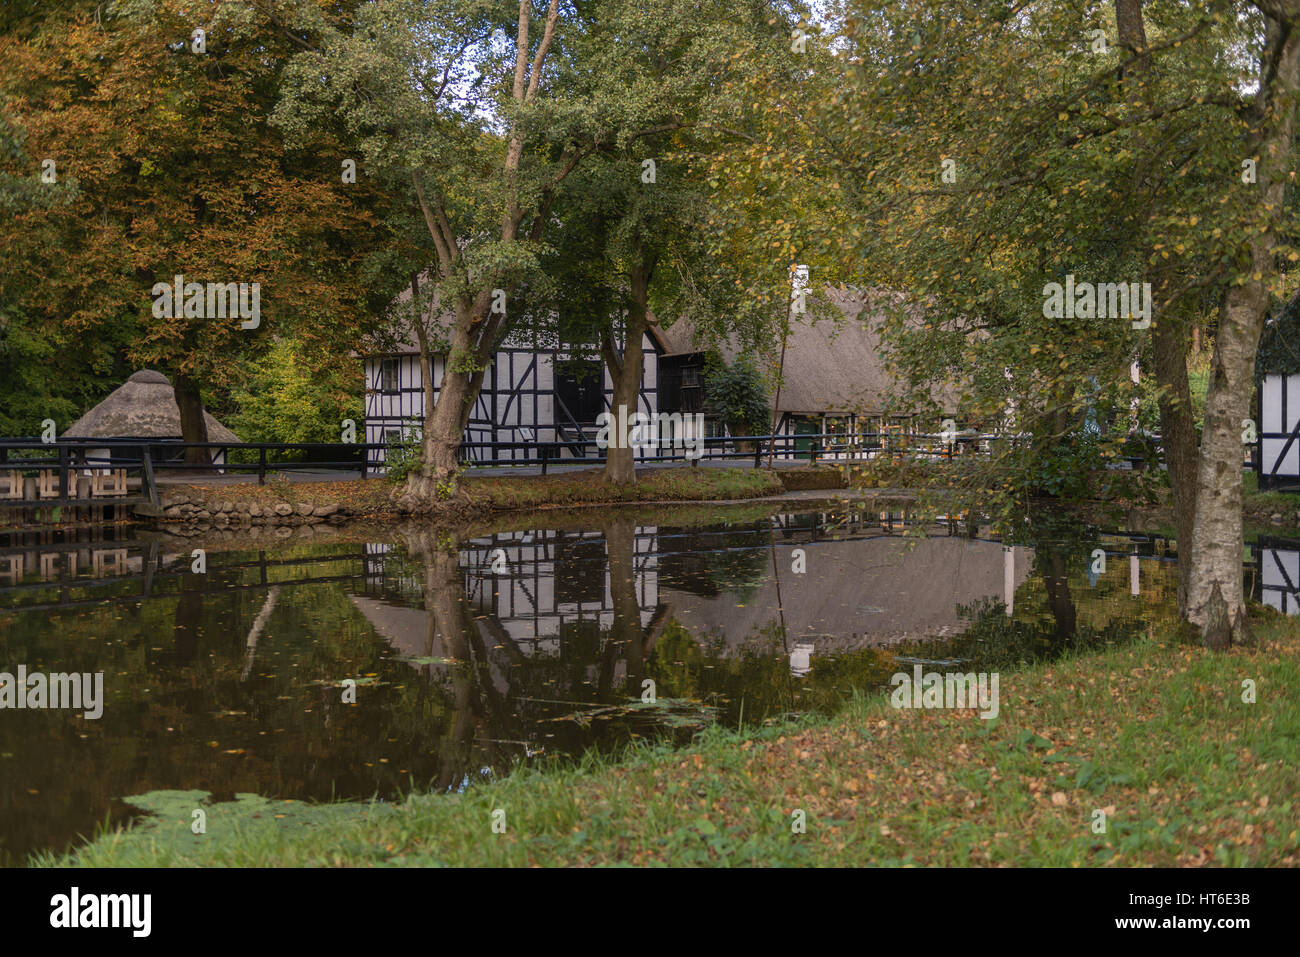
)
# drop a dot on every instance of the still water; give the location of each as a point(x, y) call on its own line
point(471, 653)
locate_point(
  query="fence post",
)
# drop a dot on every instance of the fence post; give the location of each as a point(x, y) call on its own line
point(758, 454)
point(813, 448)
point(261, 466)
point(544, 452)
point(63, 471)
point(150, 482)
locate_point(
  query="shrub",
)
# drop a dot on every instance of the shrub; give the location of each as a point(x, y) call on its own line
point(738, 395)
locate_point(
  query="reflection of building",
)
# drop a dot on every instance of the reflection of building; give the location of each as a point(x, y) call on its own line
point(54, 564)
point(553, 577)
point(1278, 581)
point(861, 586)
point(860, 589)
point(535, 589)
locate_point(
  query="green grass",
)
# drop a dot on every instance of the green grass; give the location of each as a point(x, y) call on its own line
point(1253, 500)
point(1153, 733)
point(590, 487)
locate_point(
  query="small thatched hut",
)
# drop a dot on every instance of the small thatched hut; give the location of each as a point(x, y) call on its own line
point(143, 407)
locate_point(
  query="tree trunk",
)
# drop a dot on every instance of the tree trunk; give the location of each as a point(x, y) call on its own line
point(1215, 599)
point(1168, 334)
point(1216, 603)
point(436, 478)
point(194, 427)
point(446, 418)
point(1178, 435)
point(625, 370)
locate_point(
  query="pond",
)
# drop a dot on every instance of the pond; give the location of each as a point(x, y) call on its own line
point(369, 665)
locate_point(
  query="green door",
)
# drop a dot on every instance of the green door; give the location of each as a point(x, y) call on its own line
point(804, 426)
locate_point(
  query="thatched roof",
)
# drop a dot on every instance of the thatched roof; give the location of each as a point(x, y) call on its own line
point(143, 407)
point(831, 365)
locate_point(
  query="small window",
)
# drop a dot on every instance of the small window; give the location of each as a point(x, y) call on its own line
point(388, 376)
point(836, 425)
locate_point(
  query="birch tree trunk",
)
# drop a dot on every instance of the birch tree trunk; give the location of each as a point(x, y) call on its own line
point(1215, 602)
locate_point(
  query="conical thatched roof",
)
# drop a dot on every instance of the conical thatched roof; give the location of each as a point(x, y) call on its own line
point(143, 407)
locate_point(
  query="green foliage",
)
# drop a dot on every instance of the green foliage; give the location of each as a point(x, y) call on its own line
point(401, 457)
point(102, 90)
point(738, 393)
point(1075, 469)
point(284, 397)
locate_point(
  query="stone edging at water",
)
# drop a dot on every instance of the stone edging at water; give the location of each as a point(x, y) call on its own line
point(199, 514)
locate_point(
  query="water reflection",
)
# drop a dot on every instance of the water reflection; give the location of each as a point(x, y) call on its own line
point(471, 654)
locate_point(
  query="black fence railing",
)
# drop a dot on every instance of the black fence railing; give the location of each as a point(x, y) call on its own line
point(114, 473)
point(34, 473)
point(811, 447)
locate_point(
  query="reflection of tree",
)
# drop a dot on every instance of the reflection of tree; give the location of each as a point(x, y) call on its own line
point(450, 619)
point(188, 620)
point(993, 641)
point(626, 638)
point(1059, 598)
point(707, 562)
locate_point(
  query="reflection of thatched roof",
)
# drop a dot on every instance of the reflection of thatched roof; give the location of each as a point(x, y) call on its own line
point(858, 592)
point(406, 629)
point(831, 365)
point(143, 407)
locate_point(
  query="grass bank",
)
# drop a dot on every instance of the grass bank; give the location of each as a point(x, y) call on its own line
point(1154, 734)
point(589, 487)
point(374, 498)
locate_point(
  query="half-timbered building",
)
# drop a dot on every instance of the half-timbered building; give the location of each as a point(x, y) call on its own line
point(532, 393)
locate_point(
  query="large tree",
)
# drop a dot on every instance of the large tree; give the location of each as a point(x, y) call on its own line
point(1087, 142)
point(455, 99)
point(164, 130)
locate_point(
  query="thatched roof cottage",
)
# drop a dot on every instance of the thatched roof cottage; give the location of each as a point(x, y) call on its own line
point(143, 407)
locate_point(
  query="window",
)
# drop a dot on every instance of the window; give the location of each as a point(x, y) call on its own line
point(388, 375)
point(692, 389)
point(836, 425)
